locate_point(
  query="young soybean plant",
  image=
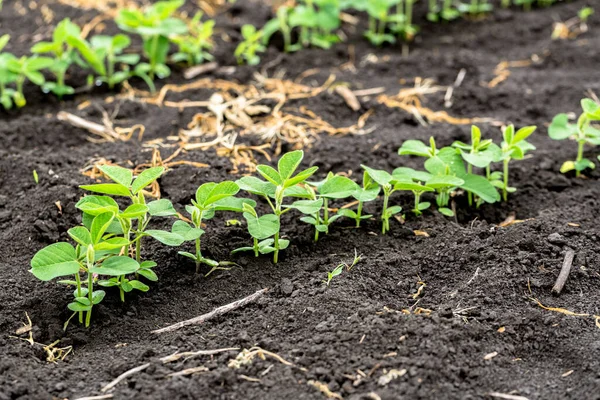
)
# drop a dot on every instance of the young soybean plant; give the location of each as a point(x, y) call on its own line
point(94, 254)
point(514, 147)
point(64, 56)
point(7, 76)
point(262, 229)
point(368, 192)
point(132, 222)
point(333, 187)
point(388, 185)
point(281, 183)
point(104, 54)
point(27, 68)
point(155, 25)
point(194, 47)
point(583, 132)
point(210, 197)
point(414, 181)
point(246, 51)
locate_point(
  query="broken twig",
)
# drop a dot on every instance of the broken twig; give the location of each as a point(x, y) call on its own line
point(214, 313)
point(124, 375)
point(564, 272)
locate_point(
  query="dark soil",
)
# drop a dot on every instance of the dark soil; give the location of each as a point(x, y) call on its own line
point(480, 278)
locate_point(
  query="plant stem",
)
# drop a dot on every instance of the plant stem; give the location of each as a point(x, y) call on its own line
point(488, 172)
point(198, 255)
point(138, 249)
point(121, 291)
point(276, 252)
point(255, 247)
point(111, 71)
point(505, 177)
point(386, 196)
point(469, 194)
point(326, 215)
point(417, 201)
point(78, 280)
point(152, 55)
point(359, 213)
point(580, 145)
point(90, 285)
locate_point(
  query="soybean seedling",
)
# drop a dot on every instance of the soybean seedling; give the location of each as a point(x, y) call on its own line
point(132, 222)
point(281, 23)
point(514, 147)
point(155, 25)
point(583, 132)
point(6, 75)
point(27, 68)
point(317, 19)
point(104, 54)
point(281, 183)
point(194, 47)
point(210, 197)
point(480, 154)
point(379, 17)
point(368, 192)
point(340, 268)
point(331, 188)
point(94, 254)
point(414, 181)
point(262, 229)
point(246, 51)
point(387, 183)
point(63, 56)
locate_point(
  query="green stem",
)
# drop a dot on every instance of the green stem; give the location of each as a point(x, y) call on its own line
point(505, 177)
point(276, 252)
point(409, 12)
point(152, 56)
point(88, 316)
point(111, 71)
point(198, 255)
point(384, 219)
point(469, 194)
point(372, 25)
point(78, 280)
point(326, 215)
point(359, 213)
point(417, 201)
point(255, 247)
point(580, 145)
point(121, 291)
point(488, 172)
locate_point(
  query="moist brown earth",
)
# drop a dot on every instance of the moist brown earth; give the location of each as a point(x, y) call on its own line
point(483, 332)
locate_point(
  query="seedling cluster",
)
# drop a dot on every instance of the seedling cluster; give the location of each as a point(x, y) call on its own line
point(583, 132)
point(108, 59)
point(108, 247)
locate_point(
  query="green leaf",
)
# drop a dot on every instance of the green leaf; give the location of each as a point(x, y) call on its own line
point(414, 148)
point(107, 188)
point(83, 300)
point(148, 274)
point(479, 160)
point(58, 259)
point(120, 175)
point(88, 54)
point(134, 211)
point(233, 204)
point(99, 226)
point(96, 205)
point(524, 133)
point(186, 231)
point(98, 296)
point(262, 227)
point(345, 212)
point(256, 186)
point(446, 211)
point(161, 208)
point(168, 238)
point(300, 177)
point(139, 286)
point(188, 255)
point(146, 178)
point(444, 181)
point(382, 177)
point(560, 128)
point(420, 176)
point(270, 174)
point(412, 186)
point(338, 187)
point(81, 235)
point(392, 211)
point(583, 164)
point(307, 206)
point(112, 243)
point(447, 160)
point(76, 306)
point(210, 193)
point(367, 194)
point(288, 164)
point(481, 187)
point(591, 108)
point(116, 266)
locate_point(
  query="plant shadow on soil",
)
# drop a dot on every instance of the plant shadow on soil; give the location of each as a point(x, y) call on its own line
point(479, 278)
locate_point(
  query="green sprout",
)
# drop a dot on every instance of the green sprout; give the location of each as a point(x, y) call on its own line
point(583, 132)
point(379, 18)
point(27, 68)
point(414, 181)
point(387, 183)
point(63, 55)
point(340, 268)
point(155, 25)
point(36, 178)
point(132, 222)
point(7, 76)
point(194, 47)
point(262, 229)
point(104, 54)
point(246, 51)
point(95, 254)
point(210, 197)
point(514, 147)
point(281, 183)
point(368, 192)
point(281, 23)
point(476, 7)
